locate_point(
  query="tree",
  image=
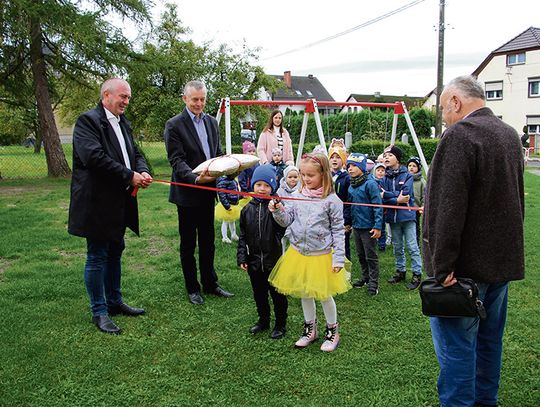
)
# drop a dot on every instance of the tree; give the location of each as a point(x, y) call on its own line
point(169, 60)
point(50, 44)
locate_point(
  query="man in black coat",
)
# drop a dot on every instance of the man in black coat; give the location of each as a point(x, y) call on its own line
point(473, 227)
point(191, 138)
point(106, 167)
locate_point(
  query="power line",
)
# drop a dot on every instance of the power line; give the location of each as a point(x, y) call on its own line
point(350, 30)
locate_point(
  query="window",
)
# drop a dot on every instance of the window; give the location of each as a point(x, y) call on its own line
point(494, 90)
point(298, 92)
point(534, 87)
point(515, 59)
point(533, 124)
point(309, 93)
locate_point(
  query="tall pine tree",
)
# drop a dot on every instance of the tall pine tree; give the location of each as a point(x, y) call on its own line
point(48, 42)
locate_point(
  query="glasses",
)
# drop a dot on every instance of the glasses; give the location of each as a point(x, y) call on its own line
point(312, 157)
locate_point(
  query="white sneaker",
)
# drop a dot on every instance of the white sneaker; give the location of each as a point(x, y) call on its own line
point(226, 240)
point(235, 237)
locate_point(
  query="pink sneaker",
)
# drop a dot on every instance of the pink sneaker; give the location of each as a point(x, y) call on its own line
point(331, 337)
point(309, 335)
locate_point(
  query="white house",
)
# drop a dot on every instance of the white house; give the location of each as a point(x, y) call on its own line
point(511, 76)
point(410, 101)
point(300, 88)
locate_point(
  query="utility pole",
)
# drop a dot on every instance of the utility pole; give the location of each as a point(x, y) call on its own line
point(440, 69)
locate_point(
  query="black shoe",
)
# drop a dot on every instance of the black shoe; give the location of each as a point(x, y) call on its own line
point(258, 327)
point(105, 324)
point(220, 292)
point(396, 278)
point(415, 282)
point(359, 283)
point(278, 332)
point(373, 293)
point(196, 298)
point(125, 309)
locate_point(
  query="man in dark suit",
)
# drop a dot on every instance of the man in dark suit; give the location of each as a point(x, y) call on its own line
point(473, 227)
point(106, 167)
point(191, 138)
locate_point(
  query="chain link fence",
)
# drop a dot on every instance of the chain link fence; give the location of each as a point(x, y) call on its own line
point(21, 161)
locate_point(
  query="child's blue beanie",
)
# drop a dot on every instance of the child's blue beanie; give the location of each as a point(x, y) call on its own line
point(265, 173)
point(358, 159)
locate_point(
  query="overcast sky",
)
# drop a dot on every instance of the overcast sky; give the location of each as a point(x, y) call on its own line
point(396, 55)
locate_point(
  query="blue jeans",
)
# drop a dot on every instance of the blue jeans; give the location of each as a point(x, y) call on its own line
point(469, 351)
point(102, 274)
point(406, 230)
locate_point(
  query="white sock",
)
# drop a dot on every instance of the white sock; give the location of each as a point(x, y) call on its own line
point(330, 311)
point(224, 230)
point(308, 306)
point(232, 228)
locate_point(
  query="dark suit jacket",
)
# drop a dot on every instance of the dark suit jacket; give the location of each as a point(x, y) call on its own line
point(474, 207)
point(101, 204)
point(184, 151)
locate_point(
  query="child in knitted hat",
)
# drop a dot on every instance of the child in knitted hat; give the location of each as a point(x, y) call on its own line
point(366, 221)
point(277, 162)
point(398, 190)
point(288, 185)
point(290, 181)
point(414, 165)
point(259, 248)
point(378, 173)
point(227, 210)
point(337, 156)
point(244, 179)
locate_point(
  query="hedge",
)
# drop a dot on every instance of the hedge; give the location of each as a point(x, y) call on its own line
point(375, 147)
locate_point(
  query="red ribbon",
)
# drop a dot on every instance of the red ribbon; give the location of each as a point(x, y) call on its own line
point(284, 198)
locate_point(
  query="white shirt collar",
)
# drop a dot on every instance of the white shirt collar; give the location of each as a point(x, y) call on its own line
point(110, 115)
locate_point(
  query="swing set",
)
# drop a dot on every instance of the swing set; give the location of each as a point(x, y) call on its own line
point(311, 106)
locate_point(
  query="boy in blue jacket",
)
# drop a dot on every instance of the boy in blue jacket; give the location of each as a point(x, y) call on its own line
point(366, 221)
point(398, 190)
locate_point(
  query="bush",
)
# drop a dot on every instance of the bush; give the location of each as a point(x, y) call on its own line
point(373, 148)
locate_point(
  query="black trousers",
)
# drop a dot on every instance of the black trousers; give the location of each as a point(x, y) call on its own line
point(197, 224)
point(367, 256)
point(261, 288)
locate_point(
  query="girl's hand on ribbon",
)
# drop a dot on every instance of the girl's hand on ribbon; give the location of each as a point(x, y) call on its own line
point(274, 204)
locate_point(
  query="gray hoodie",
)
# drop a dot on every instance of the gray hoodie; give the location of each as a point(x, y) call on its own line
point(316, 227)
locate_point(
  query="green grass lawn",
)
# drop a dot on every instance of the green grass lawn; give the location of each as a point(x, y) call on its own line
point(182, 355)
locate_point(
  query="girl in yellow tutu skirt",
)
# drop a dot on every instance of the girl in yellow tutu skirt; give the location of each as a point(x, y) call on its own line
point(312, 268)
point(227, 210)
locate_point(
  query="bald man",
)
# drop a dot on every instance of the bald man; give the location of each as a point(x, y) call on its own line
point(107, 166)
point(473, 227)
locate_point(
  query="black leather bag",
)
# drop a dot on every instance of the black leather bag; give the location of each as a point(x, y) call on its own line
point(457, 301)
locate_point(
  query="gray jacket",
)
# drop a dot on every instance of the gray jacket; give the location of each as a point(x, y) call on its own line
point(315, 228)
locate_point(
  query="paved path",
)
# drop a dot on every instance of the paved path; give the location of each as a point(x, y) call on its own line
point(533, 165)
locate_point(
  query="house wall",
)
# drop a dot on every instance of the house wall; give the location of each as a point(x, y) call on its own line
point(515, 105)
point(431, 102)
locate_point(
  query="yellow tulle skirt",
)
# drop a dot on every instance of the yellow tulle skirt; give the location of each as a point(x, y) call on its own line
point(244, 201)
point(309, 276)
point(220, 213)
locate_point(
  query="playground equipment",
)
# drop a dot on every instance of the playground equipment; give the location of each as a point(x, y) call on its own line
point(311, 106)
